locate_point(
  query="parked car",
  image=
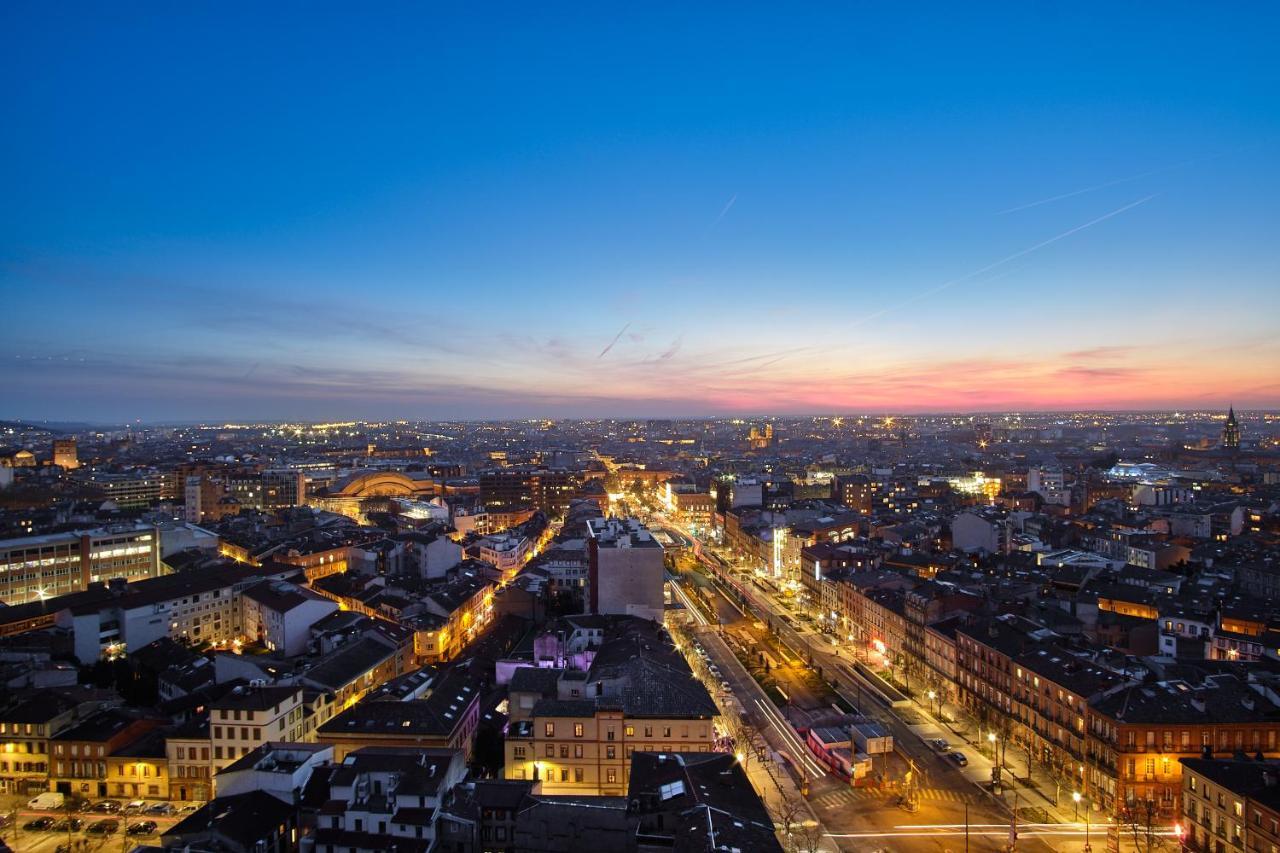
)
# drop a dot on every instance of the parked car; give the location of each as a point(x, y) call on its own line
point(160, 809)
point(958, 758)
point(107, 806)
point(104, 827)
point(40, 824)
point(189, 808)
point(72, 824)
point(135, 806)
point(940, 744)
point(142, 827)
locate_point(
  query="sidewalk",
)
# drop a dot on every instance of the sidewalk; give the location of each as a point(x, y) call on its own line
point(962, 732)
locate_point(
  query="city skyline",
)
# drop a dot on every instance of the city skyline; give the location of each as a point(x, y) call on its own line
point(270, 217)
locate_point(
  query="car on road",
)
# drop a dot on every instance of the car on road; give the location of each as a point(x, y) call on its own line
point(160, 809)
point(40, 824)
point(68, 824)
point(142, 827)
point(958, 758)
point(104, 827)
point(940, 744)
point(106, 806)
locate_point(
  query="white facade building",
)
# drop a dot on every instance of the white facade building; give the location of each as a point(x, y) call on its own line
point(279, 615)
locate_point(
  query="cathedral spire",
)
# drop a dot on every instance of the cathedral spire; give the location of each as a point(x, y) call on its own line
point(1231, 431)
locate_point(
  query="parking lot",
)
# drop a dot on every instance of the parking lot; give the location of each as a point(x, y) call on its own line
point(65, 834)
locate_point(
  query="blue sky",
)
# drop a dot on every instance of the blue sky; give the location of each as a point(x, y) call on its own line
point(302, 211)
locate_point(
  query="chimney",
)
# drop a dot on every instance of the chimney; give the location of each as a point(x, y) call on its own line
point(1197, 702)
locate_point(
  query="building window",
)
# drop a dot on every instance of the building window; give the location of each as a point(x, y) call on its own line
point(549, 729)
point(611, 752)
point(577, 774)
point(577, 750)
point(611, 775)
point(577, 729)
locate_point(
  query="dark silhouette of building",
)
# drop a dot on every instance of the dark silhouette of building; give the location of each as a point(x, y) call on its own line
point(1231, 431)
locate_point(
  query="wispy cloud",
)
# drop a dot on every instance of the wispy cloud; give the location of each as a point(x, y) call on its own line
point(1096, 353)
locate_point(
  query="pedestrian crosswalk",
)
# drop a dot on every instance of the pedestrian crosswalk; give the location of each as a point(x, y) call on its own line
point(848, 796)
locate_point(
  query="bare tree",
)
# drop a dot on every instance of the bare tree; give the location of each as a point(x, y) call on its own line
point(806, 838)
point(788, 811)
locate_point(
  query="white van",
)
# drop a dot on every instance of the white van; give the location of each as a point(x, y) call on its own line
point(47, 801)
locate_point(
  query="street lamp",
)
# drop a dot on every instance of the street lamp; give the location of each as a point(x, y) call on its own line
point(932, 696)
point(1075, 813)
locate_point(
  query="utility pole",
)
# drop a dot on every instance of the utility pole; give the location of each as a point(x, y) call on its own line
point(1013, 824)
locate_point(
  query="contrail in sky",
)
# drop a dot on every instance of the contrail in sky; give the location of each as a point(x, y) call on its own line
point(616, 338)
point(1173, 167)
point(1021, 253)
point(1102, 186)
point(725, 209)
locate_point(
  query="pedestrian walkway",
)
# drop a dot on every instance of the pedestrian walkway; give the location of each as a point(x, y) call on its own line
point(848, 796)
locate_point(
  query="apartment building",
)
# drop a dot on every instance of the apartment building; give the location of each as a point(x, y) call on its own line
point(524, 487)
point(1139, 735)
point(1230, 805)
point(26, 725)
point(38, 568)
point(190, 759)
point(249, 716)
point(1032, 693)
point(576, 730)
point(202, 607)
point(140, 769)
point(445, 715)
point(80, 754)
point(626, 571)
point(279, 615)
point(384, 798)
point(454, 613)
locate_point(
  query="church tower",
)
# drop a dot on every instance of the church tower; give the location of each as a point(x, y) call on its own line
point(1231, 431)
